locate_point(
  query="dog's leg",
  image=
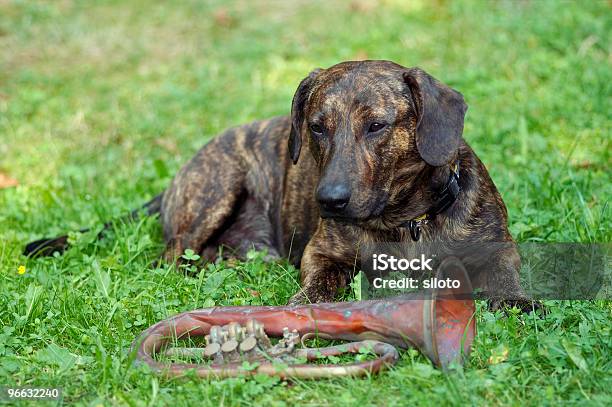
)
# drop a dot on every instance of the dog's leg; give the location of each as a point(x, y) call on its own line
point(321, 279)
point(323, 271)
point(503, 288)
point(251, 230)
point(202, 197)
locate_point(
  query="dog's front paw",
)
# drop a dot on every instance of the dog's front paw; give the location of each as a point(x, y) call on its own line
point(299, 298)
point(310, 296)
point(526, 305)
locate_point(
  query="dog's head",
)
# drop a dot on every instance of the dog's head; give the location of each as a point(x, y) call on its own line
point(372, 126)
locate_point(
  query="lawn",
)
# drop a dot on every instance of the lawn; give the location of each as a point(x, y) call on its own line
point(101, 102)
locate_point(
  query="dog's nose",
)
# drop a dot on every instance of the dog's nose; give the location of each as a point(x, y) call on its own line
point(333, 197)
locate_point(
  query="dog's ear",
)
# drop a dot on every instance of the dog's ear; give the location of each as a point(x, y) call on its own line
point(440, 114)
point(297, 114)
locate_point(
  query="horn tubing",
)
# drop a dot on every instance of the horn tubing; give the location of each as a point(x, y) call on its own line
point(443, 328)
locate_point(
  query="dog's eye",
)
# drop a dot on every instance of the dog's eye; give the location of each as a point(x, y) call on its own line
point(315, 128)
point(374, 127)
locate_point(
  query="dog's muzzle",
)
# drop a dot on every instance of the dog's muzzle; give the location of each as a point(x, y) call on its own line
point(333, 199)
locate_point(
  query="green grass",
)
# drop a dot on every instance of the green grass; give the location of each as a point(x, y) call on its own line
point(101, 104)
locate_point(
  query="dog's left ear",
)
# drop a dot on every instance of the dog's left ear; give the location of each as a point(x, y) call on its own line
point(297, 114)
point(440, 114)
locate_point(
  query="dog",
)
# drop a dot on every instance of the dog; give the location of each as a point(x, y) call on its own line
point(372, 151)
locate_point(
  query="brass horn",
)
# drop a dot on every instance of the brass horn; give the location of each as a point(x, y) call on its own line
point(441, 326)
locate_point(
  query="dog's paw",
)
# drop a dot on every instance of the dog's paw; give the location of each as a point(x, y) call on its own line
point(310, 296)
point(299, 298)
point(525, 305)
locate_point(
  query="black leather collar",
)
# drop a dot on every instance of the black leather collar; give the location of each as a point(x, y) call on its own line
point(446, 198)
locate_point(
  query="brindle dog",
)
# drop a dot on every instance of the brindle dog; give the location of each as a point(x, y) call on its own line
point(380, 141)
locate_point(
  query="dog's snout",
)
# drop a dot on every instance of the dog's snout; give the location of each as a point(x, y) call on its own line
point(333, 197)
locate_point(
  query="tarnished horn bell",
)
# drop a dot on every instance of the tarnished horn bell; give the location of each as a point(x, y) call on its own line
point(441, 326)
